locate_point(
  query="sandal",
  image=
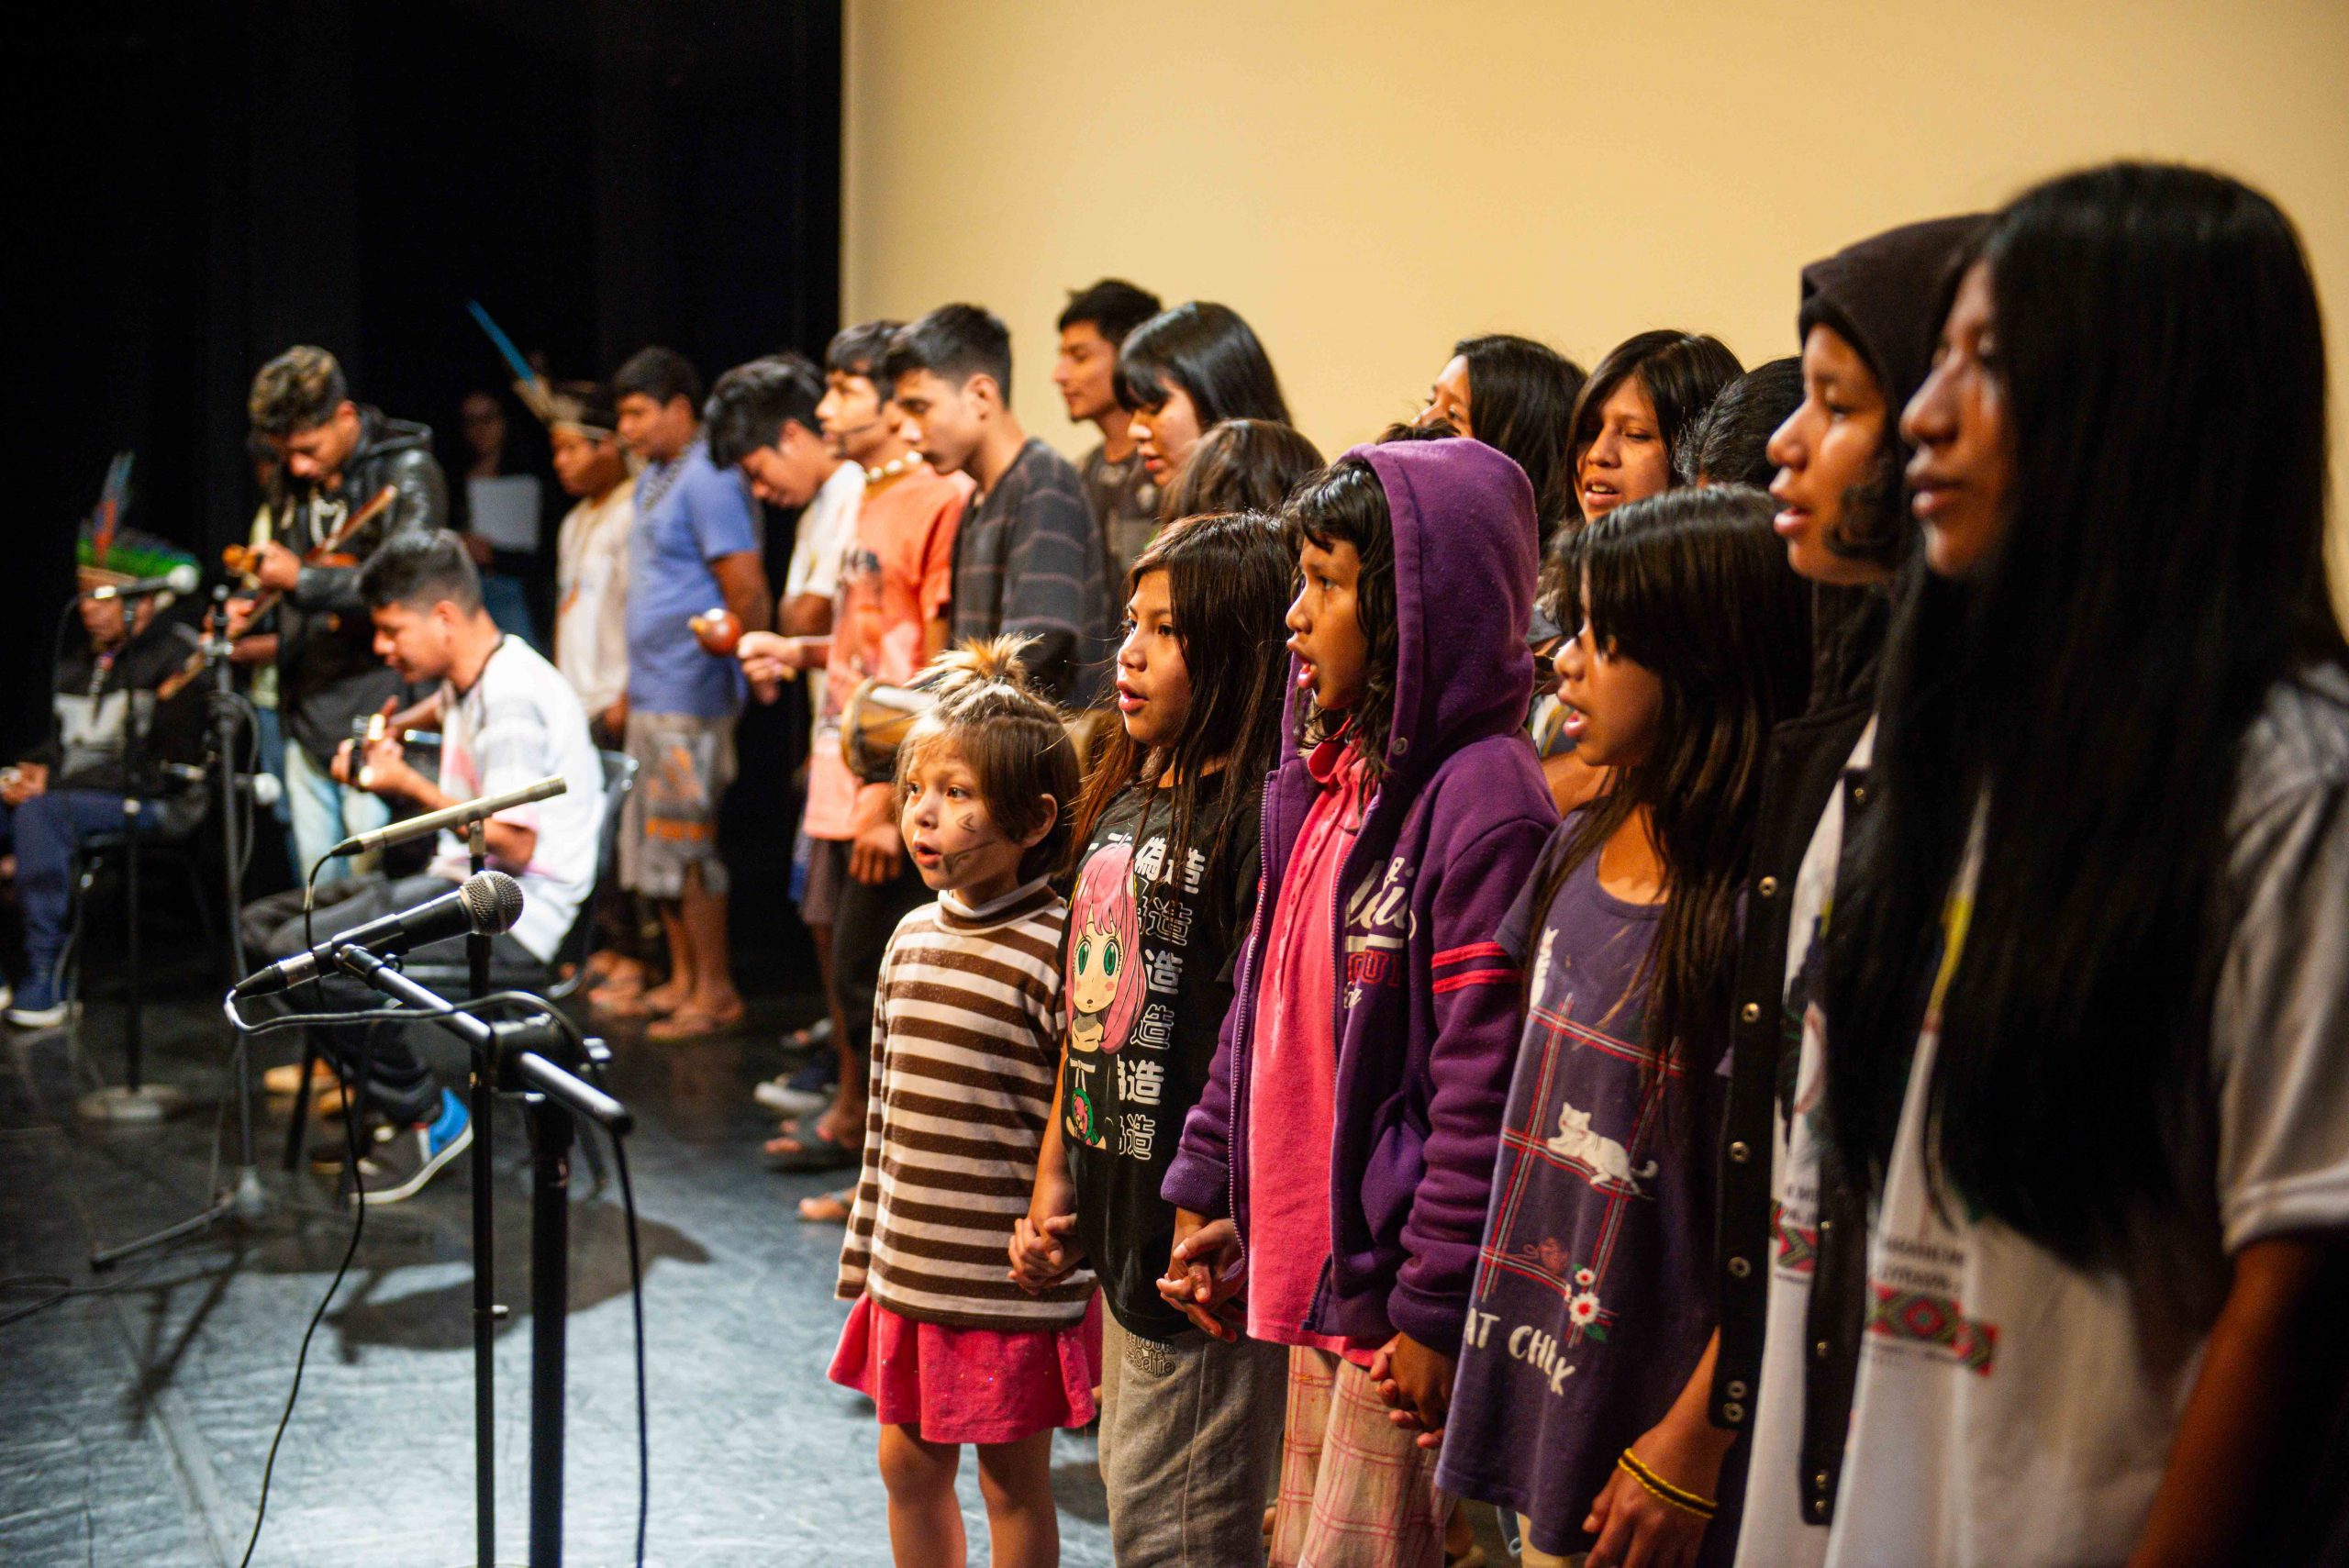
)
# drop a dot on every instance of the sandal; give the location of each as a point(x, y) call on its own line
point(811, 1151)
point(829, 1208)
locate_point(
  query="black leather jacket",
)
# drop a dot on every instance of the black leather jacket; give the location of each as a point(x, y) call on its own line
point(1805, 763)
point(328, 671)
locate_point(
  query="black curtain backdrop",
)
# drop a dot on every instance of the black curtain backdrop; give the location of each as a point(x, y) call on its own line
point(199, 187)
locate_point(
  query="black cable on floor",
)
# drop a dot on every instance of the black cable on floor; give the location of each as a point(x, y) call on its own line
point(636, 1297)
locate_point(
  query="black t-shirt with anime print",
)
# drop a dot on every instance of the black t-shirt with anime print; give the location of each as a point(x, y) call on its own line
point(1146, 969)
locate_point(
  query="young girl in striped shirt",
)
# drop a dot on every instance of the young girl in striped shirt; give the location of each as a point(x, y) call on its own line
point(966, 1028)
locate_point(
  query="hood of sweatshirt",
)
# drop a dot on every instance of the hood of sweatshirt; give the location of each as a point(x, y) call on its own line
point(1463, 589)
point(1880, 296)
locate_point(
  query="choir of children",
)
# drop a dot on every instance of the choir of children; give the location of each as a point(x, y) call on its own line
point(1897, 1118)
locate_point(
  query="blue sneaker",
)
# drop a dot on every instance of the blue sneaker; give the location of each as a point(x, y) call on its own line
point(402, 1161)
point(38, 1006)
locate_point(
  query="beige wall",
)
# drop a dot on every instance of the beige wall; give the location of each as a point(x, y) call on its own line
point(1366, 181)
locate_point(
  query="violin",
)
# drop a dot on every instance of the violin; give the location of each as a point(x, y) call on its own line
point(244, 561)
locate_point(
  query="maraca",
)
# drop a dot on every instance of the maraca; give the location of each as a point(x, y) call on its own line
point(720, 631)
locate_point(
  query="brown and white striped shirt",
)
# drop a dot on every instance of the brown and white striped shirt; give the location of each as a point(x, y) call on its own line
point(966, 1030)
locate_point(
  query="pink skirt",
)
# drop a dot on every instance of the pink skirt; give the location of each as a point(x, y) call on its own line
point(970, 1386)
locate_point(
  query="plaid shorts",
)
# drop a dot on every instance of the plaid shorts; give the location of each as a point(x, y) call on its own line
point(1356, 1490)
point(683, 766)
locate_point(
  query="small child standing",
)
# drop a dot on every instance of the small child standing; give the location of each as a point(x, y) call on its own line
point(966, 1030)
point(1582, 1398)
point(1337, 1161)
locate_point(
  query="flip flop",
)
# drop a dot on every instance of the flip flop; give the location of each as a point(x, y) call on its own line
point(814, 1152)
point(830, 1209)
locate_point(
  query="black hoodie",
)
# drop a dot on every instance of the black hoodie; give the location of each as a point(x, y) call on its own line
point(328, 671)
point(1880, 296)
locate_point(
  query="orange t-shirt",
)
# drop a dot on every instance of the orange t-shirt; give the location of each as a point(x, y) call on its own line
point(896, 577)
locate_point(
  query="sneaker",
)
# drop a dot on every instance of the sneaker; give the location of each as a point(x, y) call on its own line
point(397, 1167)
point(38, 1006)
point(809, 1089)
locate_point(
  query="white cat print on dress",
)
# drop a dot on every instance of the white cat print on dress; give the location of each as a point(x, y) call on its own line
point(1608, 1159)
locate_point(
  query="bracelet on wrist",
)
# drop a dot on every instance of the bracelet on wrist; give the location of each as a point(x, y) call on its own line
point(1688, 1502)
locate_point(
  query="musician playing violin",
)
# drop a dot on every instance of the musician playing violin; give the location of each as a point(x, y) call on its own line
point(334, 454)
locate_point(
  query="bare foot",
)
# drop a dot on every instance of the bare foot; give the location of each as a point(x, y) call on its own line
point(692, 1022)
point(666, 998)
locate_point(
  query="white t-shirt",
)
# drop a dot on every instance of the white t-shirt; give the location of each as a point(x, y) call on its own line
point(591, 576)
point(521, 722)
point(825, 527)
point(2016, 1411)
point(1772, 1532)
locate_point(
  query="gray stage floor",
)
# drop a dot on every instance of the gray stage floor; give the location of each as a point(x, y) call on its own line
point(138, 1422)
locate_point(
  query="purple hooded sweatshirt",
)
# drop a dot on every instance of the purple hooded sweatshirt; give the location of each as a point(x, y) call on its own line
point(1427, 1004)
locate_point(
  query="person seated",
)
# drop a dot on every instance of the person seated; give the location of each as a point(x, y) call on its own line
point(109, 687)
point(507, 719)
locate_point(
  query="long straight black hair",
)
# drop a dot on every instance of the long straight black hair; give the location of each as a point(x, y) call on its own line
point(1682, 372)
point(2087, 690)
point(1228, 585)
point(1212, 354)
point(1521, 397)
point(1693, 585)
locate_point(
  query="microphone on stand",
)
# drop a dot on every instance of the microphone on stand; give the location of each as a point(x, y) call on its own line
point(483, 904)
point(180, 579)
point(456, 816)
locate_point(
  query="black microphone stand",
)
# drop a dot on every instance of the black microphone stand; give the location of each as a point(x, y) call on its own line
point(554, 1099)
point(137, 1101)
point(247, 1201)
point(488, 1313)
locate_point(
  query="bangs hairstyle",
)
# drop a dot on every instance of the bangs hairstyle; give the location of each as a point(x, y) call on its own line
point(752, 403)
point(1693, 588)
point(1521, 400)
point(1681, 372)
point(1228, 581)
point(1209, 353)
point(2089, 691)
point(1240, 465)
point(1010, 736)
point(1346, 504)
point(858, 350)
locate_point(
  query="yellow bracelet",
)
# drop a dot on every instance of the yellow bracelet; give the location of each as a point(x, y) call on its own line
point(1633, 1466)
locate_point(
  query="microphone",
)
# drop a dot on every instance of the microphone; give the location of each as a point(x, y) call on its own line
point(265, 788)
point(180, 579)
point(456, 816)
point(483, 904)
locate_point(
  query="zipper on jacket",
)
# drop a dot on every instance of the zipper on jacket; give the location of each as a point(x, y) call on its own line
point(1247, 1031)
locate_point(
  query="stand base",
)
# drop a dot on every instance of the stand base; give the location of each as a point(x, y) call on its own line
point(144, 1105)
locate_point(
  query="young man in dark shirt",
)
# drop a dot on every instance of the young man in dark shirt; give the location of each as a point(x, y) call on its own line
point(1028, 560)
point(1117, 485)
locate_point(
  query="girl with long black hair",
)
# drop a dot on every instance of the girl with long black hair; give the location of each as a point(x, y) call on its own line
point(2086, 978)
point(1580, 1400)
point(1186, 370)
point(1518, 395)
point(1164, 875)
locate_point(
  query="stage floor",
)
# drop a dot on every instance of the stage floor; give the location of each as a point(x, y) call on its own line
point(138, 1421)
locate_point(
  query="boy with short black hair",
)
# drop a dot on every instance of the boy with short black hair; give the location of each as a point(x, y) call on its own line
point(1028, 560)
point(1117, 485)
point(697, 546)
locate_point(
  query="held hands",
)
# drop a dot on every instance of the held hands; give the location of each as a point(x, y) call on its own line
point(1635, 1526)
point(1205, 1272)
point(1415, 1383)
point(1041, 1252)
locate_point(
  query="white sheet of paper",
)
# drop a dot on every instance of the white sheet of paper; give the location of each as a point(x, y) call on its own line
point(506, 510)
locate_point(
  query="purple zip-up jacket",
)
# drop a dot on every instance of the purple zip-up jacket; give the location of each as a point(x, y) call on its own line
point(1427, 1004)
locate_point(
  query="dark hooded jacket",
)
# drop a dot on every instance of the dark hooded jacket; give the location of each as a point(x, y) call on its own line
point(1879, 296)
point(1427, 1005)
point(328, 671)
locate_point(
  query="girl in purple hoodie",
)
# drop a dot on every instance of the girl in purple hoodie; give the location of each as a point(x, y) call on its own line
point(1362, 1068)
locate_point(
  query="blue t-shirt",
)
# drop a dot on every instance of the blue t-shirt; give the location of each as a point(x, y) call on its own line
point(687, 515)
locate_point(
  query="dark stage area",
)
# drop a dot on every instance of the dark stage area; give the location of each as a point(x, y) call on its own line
point(140, 1419)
